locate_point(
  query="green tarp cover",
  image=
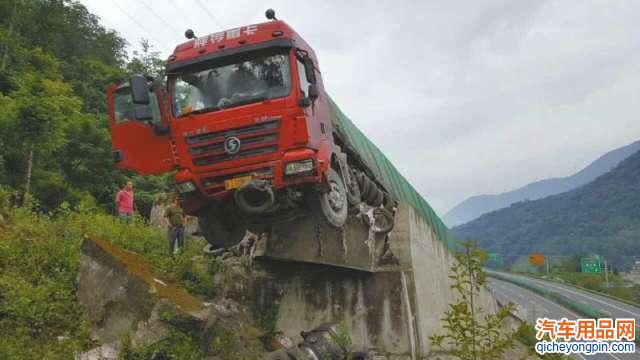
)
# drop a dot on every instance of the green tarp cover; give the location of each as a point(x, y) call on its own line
point(385, 172)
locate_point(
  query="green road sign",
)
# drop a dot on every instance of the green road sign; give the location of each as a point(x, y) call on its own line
point(590, 264)
point(494, 260)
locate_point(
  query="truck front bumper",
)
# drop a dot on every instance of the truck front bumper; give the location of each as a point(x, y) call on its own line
point(300, 166)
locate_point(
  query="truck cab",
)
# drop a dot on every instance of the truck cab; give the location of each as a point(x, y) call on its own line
point(244, 122)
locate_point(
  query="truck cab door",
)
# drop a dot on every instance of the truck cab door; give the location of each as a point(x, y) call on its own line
point(138, 145)
point(318, 123)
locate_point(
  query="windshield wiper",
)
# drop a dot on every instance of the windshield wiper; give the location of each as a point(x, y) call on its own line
point(203, 110)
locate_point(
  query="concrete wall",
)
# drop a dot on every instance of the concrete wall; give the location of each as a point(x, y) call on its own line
point(393, 310)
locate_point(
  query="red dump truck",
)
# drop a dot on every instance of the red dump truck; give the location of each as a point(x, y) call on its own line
point(244, 121)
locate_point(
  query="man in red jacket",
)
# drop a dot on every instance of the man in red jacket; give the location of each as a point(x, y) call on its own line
point(124, 202)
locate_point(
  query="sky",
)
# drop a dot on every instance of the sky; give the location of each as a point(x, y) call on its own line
point(464, 97)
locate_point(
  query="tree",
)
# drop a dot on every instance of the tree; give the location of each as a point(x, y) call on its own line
point(466, 337)
point(146, 62)
point(56, 60)
point(42, 106)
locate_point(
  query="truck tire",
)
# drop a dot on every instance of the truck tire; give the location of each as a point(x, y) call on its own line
point(218, 226)
point(353, 192)
point(333, 204)
point(388, 202)
point(371, 194)
point(360, 178)
point(379, 199)
point(365, 189)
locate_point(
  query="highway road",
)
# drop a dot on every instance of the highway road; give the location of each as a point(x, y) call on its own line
point(613, 308)
point(531, 306)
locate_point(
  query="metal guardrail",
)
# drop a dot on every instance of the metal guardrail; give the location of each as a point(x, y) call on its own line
point(551, 295)
point(595, 292)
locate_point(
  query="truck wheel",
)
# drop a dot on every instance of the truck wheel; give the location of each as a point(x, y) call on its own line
point(371, 193)
point(218, 228)
point(379, 199)
point(365, 189)
point(353, 192)
point(360, 178)
point(333, 204)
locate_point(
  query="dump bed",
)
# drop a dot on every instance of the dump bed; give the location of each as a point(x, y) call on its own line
point(384, 171)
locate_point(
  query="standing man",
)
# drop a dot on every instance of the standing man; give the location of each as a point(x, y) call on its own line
point(124, 202)
point(174, 217)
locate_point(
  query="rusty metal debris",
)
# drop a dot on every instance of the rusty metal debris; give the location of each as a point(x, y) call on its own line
point(246, 246)
point(324, 342)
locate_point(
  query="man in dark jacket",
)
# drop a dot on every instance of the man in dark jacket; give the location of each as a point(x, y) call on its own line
point(174, 217)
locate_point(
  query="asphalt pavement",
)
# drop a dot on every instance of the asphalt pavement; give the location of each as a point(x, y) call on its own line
point(613, 308)
point(531, 306)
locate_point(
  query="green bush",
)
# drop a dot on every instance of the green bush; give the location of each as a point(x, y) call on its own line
point(223, 343)
point(187, 267)
point(526, 334)
point(176, 345)
point(39, 317)
point(39, 259)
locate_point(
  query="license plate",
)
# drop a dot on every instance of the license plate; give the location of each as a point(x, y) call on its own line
point(235, 183)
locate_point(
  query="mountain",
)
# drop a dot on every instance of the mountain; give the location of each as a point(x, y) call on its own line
point(475, 206)
point(602, 217)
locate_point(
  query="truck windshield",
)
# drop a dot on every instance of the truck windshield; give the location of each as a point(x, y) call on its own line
point(224, 84)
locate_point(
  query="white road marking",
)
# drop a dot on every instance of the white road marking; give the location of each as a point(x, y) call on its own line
point(538, 297)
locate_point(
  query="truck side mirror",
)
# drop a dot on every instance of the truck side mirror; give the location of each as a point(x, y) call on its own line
point(312, 92)
point(309, 70)
point(139, 90)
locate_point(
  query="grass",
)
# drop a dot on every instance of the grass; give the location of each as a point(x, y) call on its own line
point(39, 316)
point(176, 345)
point(39, 260)
point(526, 334)
point(188, 267)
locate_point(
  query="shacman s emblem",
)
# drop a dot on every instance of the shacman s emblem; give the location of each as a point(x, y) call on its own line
point(232, 145)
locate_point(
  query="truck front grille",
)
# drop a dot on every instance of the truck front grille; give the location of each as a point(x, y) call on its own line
point(242, 154)
point(257, 139)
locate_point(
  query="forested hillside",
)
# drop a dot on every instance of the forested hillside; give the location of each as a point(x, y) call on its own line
point(602, 217)
point(55, 61)
point(57, 181)
point(475, 206)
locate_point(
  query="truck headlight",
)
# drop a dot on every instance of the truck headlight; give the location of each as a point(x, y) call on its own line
point(298, 167)
point(185, 187)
